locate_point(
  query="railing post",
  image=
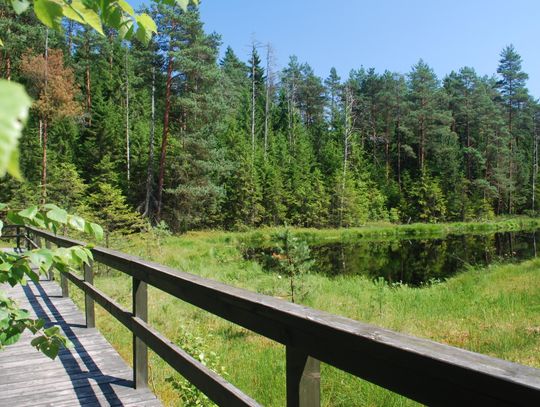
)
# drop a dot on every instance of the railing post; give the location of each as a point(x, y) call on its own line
point(140, 351)
point(51, 270)
point(64, 285)
point(28, 237)
point(18, 237)
point(37, 239)
point(303, 379)
point(88, 301)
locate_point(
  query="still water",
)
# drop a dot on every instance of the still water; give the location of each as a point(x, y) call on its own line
point(417, 261)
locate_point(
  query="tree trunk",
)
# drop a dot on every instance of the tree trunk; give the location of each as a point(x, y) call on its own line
point(128, 155)
point(347, 134)
point(44, 164)
point(88, 89)
point(421, 153)
point(535, 167)
point(149, 171)
point(8, 67)
point(267, 100)
point(70, 25)
point(88, 95)
point(44, 127)
point(511, 163)
point(469, 163)
point(253, 104)
point(165, 136)
point(40, 133)
point(398, 152)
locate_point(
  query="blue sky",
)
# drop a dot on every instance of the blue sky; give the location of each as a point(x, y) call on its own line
point(384, 34)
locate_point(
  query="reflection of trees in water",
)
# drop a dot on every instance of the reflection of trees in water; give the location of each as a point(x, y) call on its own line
point(418, 261)
point(415, 261)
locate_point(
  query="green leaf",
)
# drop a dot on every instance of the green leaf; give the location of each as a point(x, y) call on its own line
point(96, 230)
point(50, 206)
point(20, 6)
point(124, 5)
point(70, 11)
point(41, 257)
point(76, 222)
point(13, 167)
point(3, 314)
point(58, 215)
point(14, 218)
point(39, 221)
point(14, 105)
point(53, 330)
point(91, 18)
point(21, 314)
point(36, 342)
point(50, 350)
point(183, 4)
point(29, 213)
point(80, 254)
point(50, 13)
point(146, 27)
point(10, 337)
point(125, 28)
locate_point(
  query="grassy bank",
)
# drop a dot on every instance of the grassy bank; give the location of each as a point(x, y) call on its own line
point(495, 311)
point(386, 231)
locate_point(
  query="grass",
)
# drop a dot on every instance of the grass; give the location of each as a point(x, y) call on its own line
point(495, 310)
point(388, 231)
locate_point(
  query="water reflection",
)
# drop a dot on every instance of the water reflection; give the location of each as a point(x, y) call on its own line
point(415, 261)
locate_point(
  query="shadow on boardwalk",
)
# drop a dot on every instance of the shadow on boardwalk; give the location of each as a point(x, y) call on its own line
point(89, 374)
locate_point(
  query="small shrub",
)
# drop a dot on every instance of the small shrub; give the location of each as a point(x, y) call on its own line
point(196, 347)
point(293, 257)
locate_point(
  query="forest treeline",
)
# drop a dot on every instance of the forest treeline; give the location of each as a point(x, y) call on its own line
point(172, 132)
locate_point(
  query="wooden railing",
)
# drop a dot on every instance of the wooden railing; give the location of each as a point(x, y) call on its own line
point(423, 370)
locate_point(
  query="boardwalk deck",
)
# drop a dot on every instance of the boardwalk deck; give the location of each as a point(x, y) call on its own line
point(92, 373)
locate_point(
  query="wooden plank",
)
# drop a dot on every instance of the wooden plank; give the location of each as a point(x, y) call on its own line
point(111, 391)
point(82, 359)
point(90, 373)
point(67, 367)
point(140, 399)
point(53, 379)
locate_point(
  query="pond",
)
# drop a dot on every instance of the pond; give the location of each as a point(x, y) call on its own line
point(414, 261)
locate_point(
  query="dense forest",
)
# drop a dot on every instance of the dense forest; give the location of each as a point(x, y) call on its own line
point(171, 132)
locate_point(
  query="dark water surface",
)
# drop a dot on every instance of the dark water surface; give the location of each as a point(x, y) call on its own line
point(415, 261)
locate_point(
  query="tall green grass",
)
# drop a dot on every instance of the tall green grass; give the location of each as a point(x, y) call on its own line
point(495, 310)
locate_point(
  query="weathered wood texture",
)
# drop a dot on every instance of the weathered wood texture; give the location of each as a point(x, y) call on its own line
point(423, 370)
point(92, 373)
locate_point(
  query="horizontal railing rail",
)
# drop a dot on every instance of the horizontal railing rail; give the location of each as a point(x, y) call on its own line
point(423, 370)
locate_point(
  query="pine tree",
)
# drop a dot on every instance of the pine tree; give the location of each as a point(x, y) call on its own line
point(195, 169)
point(110, 210)
point(514, 95)
point(53, 85)
point(429, 119)
point(243, 193)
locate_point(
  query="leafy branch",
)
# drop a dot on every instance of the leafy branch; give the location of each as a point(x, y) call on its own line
point(18, 268)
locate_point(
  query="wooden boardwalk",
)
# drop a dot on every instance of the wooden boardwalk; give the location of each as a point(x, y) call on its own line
point(91, 373)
